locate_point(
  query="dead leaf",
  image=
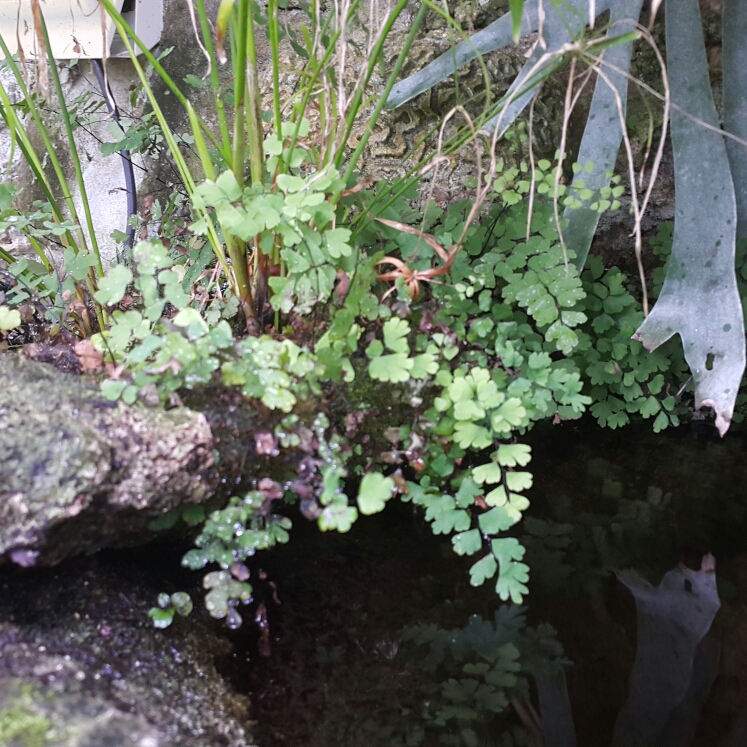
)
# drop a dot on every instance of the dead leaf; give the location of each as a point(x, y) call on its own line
point(391, 434)
point(353, 421)
point(343, 282)
point(239, 571)
point(148, 395)
point(363, 184)
point(430, 240)
point(399, 482)
point(114, 372)
point(273, 490)
point(42, 69)
point(90, 358)
point(418, 464)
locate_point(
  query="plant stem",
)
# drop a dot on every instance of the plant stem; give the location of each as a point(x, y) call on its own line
point(186, 175)
point(17, 128)
point(238, 255)
point(65, 116)
point(316, 72)
point(254, 126)
point(274, 33)
point(355, 104)
point(207, 39)
point(239, 23)
point(124, 30)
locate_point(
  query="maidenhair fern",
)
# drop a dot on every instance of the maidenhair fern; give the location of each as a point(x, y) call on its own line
point(699, 299)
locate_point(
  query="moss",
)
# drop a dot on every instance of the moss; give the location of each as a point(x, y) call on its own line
point(19, 725)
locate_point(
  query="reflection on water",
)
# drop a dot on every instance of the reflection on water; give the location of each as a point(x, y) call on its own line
point(343, 673)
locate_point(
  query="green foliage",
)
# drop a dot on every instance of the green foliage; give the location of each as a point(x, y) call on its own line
point(20, 725)
point(182, 350)
point(9, 318)
point(294, 217)
point(228, 537)
point(141, 136)
point(238, 531)
point(38, 223)
point(396, 365)
point(480, 668)
point(178, 603)
point(623, 378)
point(506, 332)
point(253, 523)
point(374, 492)
point(335, 513)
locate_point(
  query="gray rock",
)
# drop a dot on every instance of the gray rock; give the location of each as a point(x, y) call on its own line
point(82, 666)
point(78, 472)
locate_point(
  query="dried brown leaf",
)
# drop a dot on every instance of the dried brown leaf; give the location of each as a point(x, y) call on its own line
point(90, 358)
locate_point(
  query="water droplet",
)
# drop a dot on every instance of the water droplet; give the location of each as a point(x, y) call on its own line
point(233, 619)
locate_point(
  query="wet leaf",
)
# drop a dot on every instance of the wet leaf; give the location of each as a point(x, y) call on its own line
point(518, 480)
point(216, 602)
point(182, 603)
point(193, 515)
point(424, 365)
point(497, 496)
point(496, 520)
point(113, 285)
point(9, 318)
point(509, 415)
point(483, 570)
point(113, 389)
point(395, 335)
point(467, 543)
point(338, 516)
point(468, 410)
point(191, 319)
point(161, 618)
point(487, 473)
point(375, 491)
point(512, 455)
point(395, 367)
point(78, 264)
point(513, 575)
point(469, 435)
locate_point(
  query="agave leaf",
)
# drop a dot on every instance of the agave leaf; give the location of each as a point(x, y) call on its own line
point(498, 34)
point(602, 135)
point(563, 22)
point(699, 299)
point(735, 101)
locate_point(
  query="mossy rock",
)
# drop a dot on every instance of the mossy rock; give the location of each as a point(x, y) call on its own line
point(78, 472)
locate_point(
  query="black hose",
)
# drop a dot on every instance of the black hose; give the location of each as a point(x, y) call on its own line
point(129, 172)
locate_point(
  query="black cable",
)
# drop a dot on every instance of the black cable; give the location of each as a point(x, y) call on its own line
point(129, 172)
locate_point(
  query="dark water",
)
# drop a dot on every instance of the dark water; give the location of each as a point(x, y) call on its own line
point(339, 673)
